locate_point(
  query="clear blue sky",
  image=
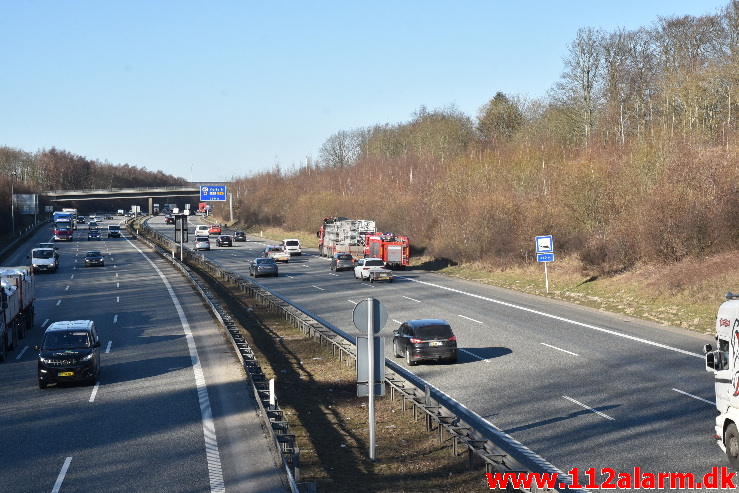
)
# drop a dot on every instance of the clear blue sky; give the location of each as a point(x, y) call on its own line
point(212, 90)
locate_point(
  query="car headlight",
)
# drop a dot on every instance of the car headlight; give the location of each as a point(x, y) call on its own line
point(88, 357)
point(46, 361)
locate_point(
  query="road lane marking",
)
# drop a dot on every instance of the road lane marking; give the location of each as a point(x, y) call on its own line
point(695, 397)
point(354, 302)
point(471, 319)
point(314, 286)
point(62, 473)
point(66, 289)
point(397, 322)
point(559, 349)
point(72, 276)
point(21, 353)
point(115, 318)
point(561, 319)
point(107, 349)
point(58, 302)
point(117, 299)
point(118, 285)
point(409, 298)
point(45, 322)
point(588, 408)
point(94, 392)
point(215, 471)
point(476, 356)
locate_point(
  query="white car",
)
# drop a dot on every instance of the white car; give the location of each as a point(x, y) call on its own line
point(202, 230)
point(292, 246)
point(372, 269)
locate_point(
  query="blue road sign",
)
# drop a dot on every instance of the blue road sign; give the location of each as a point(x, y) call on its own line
point(545, 257)
point(544, 244)
point(212, 192)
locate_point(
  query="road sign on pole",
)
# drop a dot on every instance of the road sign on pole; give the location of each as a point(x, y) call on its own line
point(370, 317)
point(545, 253)
point(213, 192)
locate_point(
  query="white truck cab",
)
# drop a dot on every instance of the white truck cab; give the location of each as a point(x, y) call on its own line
point(44, 260)
point(724, 363)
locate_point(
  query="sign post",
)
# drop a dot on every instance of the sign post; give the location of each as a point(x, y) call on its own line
point(545, 253)
point(370, 317)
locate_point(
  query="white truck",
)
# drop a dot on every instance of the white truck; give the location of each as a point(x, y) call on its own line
point(44, 259)
point(18, 294)
point(724, 363)
point(342, 235)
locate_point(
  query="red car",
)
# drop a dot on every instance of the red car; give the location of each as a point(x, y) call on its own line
point(215, 229)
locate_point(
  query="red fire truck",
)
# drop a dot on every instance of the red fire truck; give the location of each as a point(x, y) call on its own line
point(394, 250)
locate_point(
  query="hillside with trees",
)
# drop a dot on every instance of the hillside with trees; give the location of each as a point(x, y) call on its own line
point(55, 169)
point(631, 157)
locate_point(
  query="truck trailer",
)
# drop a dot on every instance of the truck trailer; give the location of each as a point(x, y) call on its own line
point(343, 235)
point(17, 290)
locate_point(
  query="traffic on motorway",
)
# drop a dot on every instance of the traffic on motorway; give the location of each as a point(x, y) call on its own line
point(102, 386)
point(580, 388)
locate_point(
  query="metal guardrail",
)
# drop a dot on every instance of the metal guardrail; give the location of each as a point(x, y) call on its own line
point(484, 443)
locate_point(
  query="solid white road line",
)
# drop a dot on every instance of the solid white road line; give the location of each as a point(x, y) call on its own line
point(314, 286)
point(562, 319)
point(559, 349)
point(588, 408)
point(45, 322)
point(470, 319)
point(94, 392)
point(695, 397)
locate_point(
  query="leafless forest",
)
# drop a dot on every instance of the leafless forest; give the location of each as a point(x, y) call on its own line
point(630, 157)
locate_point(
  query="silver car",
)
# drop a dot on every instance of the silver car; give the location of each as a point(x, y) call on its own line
point(342, 261)
point(202, 243)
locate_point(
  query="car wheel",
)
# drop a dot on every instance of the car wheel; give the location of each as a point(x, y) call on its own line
point(408, 358)
point(2, 349)
point(731, 441)
point(41, 384)
point(396, 353)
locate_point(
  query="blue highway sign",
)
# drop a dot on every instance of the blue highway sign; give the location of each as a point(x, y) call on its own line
point(212, 192)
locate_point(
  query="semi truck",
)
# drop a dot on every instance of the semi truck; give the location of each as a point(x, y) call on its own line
point(393, 250)
point(343, 235)
point(17, 293)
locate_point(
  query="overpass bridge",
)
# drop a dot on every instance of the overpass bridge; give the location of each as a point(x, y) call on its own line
point(189, 190)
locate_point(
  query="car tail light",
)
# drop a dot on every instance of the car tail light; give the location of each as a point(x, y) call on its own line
point(453, 338)
point(415, 341)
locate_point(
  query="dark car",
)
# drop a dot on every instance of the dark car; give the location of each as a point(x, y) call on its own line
point(93, 258)
point(108, 216)
point(93, 234)
point(342, 261)
point(81, 219)
point(427, 339)
point(69, 352)
point(168, 219)
point(224, 240)
point(239, 236)
point(263, 266)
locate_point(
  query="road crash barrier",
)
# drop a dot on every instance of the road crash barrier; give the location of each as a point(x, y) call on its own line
point(467, 432)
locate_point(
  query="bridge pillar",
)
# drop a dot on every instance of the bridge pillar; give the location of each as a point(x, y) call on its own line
point(151, 205)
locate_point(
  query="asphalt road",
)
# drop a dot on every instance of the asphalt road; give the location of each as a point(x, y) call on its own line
point(171, 413)
point(580, 387)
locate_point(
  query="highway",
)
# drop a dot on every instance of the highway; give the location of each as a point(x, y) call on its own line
point(171, 412)
point(579, 387)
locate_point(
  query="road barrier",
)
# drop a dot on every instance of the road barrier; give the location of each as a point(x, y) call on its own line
point(483, 443)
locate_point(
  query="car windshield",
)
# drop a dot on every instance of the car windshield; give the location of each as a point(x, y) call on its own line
point(94, 254)
point(374, 263)
point(265, 261)
point(344, 256)
point(43, 253)
point(114, 228)
point(66, 340)
point(292, 243)
point(46, 245)
point(434, 332)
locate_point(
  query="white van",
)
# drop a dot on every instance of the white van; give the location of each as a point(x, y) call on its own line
point(202, 230)
point(292, 246)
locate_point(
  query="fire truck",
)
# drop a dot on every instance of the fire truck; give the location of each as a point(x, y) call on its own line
point(343, 235)
point(393, 250)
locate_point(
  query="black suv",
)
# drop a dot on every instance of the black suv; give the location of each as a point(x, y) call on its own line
point(69, 352)
point(425, 339)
